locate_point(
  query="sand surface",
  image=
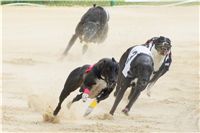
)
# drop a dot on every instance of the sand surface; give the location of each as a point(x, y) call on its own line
point(33, 74)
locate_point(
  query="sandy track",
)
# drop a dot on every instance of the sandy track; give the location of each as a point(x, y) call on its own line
point(33, 75)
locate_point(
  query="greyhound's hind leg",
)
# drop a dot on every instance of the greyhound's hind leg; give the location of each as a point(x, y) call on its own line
point(72, 83)
point(77, 98)
point(71, 42)
point(62, 97)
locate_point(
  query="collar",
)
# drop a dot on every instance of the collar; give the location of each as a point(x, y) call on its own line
point(89, 69)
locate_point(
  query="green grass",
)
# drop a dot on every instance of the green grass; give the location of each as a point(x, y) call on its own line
point(191, 4)
point(90, 2)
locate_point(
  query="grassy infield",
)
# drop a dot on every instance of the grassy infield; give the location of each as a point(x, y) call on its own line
point(90, 2)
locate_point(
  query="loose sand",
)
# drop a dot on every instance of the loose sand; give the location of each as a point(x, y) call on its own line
point(33, 74)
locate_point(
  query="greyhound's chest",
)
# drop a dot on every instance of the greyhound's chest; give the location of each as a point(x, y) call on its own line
point(97, 88)
point(158, 60)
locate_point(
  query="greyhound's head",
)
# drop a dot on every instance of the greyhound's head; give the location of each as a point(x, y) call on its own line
point(143, 69)
point(109, 71)
point(162, 45)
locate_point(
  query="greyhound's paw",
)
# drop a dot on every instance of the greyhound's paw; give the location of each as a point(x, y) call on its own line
point(125, 111)
point(84, 97)
point(50, 118)
point(69, 105)
point(88, 111)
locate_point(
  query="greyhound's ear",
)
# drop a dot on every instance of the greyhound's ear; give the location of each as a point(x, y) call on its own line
point(113, 59)
point(168, 40)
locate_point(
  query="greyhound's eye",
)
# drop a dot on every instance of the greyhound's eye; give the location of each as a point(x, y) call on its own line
point(163, 46)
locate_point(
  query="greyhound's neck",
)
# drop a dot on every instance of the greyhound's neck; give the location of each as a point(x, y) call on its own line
point(97, 72)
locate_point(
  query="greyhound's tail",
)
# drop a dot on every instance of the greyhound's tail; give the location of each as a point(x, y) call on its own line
point(71, 42)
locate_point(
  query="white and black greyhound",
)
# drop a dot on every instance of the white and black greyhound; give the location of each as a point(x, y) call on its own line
point(92, 28)
point(140, 67)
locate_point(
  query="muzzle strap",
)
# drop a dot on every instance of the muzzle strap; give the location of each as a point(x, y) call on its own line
point(86, 91)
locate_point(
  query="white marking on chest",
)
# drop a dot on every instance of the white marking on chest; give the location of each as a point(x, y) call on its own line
point(96, 89)
point(157, 58)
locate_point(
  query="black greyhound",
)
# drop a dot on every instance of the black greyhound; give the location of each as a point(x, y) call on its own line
point(92, 28)
point(160, 48)
point(136, 74)
point(95, 81)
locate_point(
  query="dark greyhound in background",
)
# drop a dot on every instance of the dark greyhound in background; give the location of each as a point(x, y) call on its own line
point(92, 28)
point(95, 81)
point(160, 48)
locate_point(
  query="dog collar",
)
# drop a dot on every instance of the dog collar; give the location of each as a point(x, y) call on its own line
point(86, 91)
point(89, 69)
point(96, 71)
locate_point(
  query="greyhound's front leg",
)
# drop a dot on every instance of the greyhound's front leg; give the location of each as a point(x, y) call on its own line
point(118, 85)
point(104, 94)
point(77, 98)
point(120, 94)
point(133, 98)
point(149, 87)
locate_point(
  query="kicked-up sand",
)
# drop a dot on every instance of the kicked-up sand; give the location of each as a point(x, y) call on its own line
point(33, 74)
